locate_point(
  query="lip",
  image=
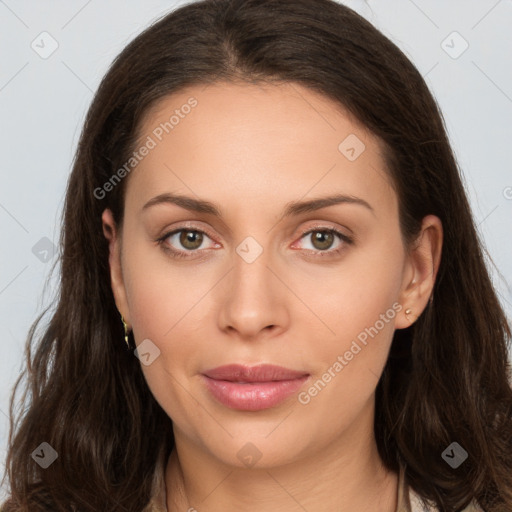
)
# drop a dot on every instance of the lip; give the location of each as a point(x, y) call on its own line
point(252, 388)
point(259, 373)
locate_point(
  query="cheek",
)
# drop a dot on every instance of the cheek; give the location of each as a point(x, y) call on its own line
point(357, 303)
point(352, 295)
point(165, 307)
point(175, 306)
point(169, 303)
point(348, 364)
point(160, 292)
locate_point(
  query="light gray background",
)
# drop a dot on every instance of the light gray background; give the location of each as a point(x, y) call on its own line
point(43, 103)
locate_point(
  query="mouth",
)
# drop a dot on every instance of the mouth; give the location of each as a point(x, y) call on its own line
point(252, 388)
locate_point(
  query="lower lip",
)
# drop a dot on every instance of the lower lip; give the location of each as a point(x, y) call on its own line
point(252, 396)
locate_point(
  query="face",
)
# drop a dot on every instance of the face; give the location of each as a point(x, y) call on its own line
point(256, 278)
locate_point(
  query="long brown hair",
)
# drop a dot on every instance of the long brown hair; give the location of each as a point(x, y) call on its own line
point(447, 378)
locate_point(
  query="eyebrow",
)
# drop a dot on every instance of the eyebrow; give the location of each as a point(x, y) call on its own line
point(291, 208)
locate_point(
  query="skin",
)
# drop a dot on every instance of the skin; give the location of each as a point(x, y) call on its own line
point(251, 150)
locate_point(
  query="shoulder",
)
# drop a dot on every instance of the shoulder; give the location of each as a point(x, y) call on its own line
point(420, 505)
point(158, 497)
point(410, 501)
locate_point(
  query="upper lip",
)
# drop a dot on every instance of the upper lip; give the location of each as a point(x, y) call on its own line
point(259, 373)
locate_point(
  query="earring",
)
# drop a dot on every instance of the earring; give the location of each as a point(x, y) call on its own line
point(408, 312)
point(126, 331)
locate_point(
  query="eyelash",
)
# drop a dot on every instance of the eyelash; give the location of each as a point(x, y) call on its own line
point(183, 255)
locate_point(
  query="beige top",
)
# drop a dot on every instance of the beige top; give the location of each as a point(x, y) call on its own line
point(408, 500)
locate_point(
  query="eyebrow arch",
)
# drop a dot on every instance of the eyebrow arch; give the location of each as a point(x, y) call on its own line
point(291, 208)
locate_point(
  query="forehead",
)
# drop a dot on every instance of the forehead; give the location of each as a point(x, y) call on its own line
point(259, 144)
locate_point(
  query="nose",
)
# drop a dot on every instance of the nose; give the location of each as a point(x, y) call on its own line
point(253, 300)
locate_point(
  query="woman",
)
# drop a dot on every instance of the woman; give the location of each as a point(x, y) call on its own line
point(264, 206)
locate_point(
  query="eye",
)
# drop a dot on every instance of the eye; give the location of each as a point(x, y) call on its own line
point(322, 240)
point(183, 238)
point(185, 242)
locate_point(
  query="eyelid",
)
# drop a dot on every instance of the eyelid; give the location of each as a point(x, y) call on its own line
point(345, 238)
point(189, 226)
point(185, 227)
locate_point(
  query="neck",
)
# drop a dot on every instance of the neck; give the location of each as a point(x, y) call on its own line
point(347, 474)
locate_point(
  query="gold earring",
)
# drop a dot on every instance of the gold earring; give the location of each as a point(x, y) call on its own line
point(126, 331)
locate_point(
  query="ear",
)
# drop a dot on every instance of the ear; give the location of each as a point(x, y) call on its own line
point(420, 271)
point(112, 234)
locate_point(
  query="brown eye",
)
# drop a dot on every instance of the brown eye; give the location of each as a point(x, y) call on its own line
point(325, 241)
point(322, 240)
point(186, 242)
point(191, 239)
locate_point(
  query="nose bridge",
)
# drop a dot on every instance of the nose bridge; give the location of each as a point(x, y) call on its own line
point(252, 299)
